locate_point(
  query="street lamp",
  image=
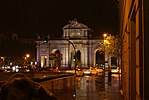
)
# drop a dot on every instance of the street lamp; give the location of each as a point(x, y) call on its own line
point(27, 55)
point(3, 58)
point(106, 42)
point(74, 93)
point(26, 58)
point(105, 35)
point(74, 53)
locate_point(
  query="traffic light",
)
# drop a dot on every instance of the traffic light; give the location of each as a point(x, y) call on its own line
point(46, 40)
point(74, 58)
point(74, 93)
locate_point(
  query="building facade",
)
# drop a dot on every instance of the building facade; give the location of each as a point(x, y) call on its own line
point(17, 46)
point(75, 48)
point(134, 25)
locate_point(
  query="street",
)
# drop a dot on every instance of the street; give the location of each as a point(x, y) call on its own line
point(92, 88)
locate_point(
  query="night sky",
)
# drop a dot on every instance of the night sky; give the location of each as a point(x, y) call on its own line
point(49, 16)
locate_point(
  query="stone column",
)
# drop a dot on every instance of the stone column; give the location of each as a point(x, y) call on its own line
point(47, 59)
point(84, 56)
point(65, 55)
point(38, 53)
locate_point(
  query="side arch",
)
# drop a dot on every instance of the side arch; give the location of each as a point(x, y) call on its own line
point(99, 58)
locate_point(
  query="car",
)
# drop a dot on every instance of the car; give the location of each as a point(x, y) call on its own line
point(79, 72)
point(99, 69)
point(93, 71)
point(55, 69)
point(86, 71)
point(71, 71)
point(115, 70)
point(23, 70)
point(48, 69)
point(119, 69)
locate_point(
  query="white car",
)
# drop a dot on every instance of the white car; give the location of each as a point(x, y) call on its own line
point(86, 71)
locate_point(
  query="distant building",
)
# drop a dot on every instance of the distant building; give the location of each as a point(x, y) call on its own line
point(76, 40)
point(21, 38)
point(15, 46)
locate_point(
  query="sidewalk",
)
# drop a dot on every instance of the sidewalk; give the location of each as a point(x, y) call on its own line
point(112, 88)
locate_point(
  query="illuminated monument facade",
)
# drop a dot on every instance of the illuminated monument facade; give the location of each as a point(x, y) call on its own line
point(76, 40)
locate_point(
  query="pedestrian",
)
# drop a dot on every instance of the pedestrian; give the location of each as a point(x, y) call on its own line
point(20, 87)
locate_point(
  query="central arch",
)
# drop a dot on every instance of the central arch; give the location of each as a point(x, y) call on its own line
point(78, 58)
point(56, 59)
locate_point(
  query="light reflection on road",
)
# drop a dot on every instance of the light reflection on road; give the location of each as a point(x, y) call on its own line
point(98, 88)
point(90, 88)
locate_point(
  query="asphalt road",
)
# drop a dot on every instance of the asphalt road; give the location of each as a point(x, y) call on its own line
point(92, 87)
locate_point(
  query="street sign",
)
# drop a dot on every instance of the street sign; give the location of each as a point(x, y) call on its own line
point(55, 56)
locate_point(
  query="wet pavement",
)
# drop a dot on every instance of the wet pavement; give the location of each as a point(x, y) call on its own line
point(92, 88)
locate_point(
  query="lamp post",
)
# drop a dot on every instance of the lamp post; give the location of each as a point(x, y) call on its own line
point(74, 91)
point(3, 58)
point(74, 53)
point(106, 42)
point(26, 57)
point(104, 35)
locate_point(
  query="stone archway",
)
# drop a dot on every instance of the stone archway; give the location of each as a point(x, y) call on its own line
point(99, 58)
point(57, 62)
point(55, 59)
point(72, 64)
point(78, 58)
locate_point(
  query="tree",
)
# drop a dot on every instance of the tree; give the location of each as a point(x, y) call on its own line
point(117, 48)
point(112, 46)
point(109, 44)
